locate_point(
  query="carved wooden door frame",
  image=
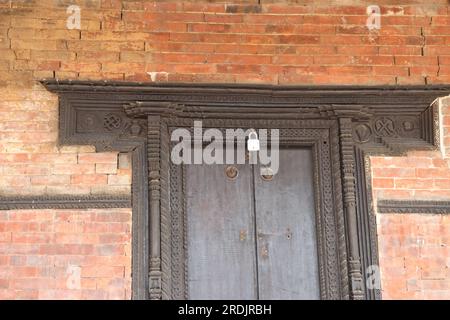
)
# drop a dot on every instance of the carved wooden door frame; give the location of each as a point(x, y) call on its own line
point(358, 121)
point(319, 135)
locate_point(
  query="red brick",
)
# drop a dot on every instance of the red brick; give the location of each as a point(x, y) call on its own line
point(390, 70)
point(394, 194)
point(73, 169)
point(437, 173)
point(432, 194)
point(441, 163)
point(441, 20)
point(414, 183)
point(55, 158)
point(383, 183)
point(31, 238)
point(233, 68)
point(343, 70)
point(38, 283)
point(85, 67)
point(119, 179)
point(66, 249)
point(424, 70)
point(97, 56)
point(194, 68)
point(411, 80)
point(222, 18)
point(292, 60)
point(52, 180)
point(97, 158)
point(409, 162)
point(88, 179)
point(400, 50)
point(105, 168)
point(415, 60)
point(105, 272)
point(442, 183)
point(436, 50)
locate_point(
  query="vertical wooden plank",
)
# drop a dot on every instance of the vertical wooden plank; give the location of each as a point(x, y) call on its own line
point(221, 243)
point(286, 235)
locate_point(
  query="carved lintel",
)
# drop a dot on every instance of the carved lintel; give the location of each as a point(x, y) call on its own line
point(145, 109)
point(354, 111)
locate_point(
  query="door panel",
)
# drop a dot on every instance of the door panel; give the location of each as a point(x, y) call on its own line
point(221, 243)
point(286, 235)
point(224, 258)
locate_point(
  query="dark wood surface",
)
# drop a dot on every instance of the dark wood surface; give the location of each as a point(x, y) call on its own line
point(249, 238)
point(285, 222)
point(221, 243)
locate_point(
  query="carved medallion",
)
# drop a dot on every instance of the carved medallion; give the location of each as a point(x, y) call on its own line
point(86, 122)
point(362, 133)
point(112, 121)
point(384, 127)
point(408, 125)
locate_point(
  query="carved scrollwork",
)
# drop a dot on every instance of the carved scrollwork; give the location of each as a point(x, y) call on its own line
point(64, 202)
point(414, 206)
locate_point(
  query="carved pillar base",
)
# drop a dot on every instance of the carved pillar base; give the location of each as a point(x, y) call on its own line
point(356, 280)
point(154, 279)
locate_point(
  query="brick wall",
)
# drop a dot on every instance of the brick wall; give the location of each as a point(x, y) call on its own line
point(278, 42)
point(415, 249)
point(65, 254)
point(414, 256)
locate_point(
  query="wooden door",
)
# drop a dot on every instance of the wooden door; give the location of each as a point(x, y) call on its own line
point(250, 238)
point(285, 224)
point(220, 240)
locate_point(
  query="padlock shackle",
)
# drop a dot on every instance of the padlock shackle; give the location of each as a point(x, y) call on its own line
point(255, 135)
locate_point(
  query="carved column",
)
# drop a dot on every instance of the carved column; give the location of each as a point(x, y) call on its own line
point(348, 172)
point(154, 172)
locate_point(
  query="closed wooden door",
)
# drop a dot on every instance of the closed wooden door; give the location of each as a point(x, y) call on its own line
point(250, 237)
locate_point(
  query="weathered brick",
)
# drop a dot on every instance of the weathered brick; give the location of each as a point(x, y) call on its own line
point(78, 67)
point(106, 168)
point(119, 179)
point(244, 42)
point(51, 180)
point(97, 158)
point(88, 179)
point(97, 56)
point(73, 168)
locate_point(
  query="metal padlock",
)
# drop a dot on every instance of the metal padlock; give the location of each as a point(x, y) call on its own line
point(253, 142)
